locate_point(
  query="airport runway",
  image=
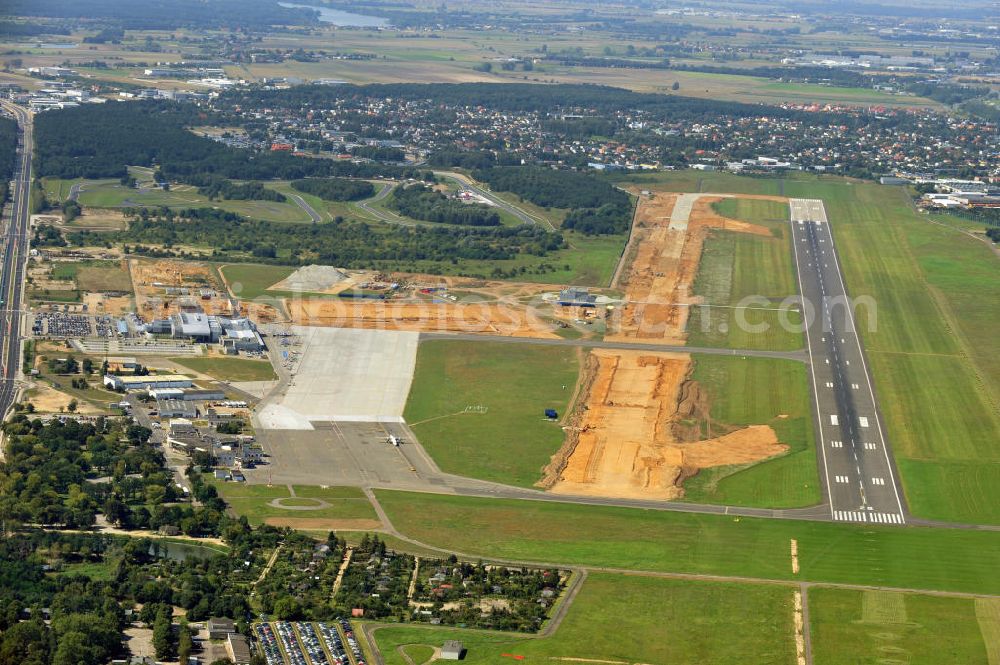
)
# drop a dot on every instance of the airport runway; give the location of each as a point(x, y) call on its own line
point(856, 464)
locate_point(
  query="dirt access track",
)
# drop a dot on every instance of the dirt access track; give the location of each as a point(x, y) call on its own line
point(632, 435)
point(457, 305)
point(164, 286)
point(662, 261)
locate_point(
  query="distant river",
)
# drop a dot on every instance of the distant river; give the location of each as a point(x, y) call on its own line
point(342, 19)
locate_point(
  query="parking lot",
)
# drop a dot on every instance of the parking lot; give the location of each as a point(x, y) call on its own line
point(61, 324)
point(304, 643)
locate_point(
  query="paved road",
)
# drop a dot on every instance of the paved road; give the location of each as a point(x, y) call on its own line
point(301, 202)
point(601, 344)
point(469, 184)
point(383, 215)
point(15, 252)
point(855, 461)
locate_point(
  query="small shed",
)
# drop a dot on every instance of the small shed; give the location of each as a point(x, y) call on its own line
point(551, 414)
point(452, 650)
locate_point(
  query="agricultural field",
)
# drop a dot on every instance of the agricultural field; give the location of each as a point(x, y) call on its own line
point(452, 56)
point(851, 626)
point(622, 619)
point(478, 407)
point(650, 540)
point(300, 507)
point(750, 391)
point(229, 369)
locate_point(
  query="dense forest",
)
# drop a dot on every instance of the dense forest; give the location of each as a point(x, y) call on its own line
point(8, 154)
point(168, 14)
point(339, 243)
point(596, 207)
point(335, 189)
point(19, 29)
point(99, 141)
point(471, 159)
point(421, 202)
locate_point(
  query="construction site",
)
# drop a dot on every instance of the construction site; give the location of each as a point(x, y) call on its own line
point(661, 262)
point(637, 430)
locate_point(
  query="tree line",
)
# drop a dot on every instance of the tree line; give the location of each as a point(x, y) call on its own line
point(215, 187)
point(596, 207)
point(170, 14)
point(8, 154)
point(99, 141)
point(335, 189)
point(340, 242)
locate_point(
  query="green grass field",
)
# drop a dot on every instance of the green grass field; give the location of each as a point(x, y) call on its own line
point(748, 279)
point(95, 570)
point(887, 627)
point(99, 276)
point(230, 369)
point(111, 194)
point(624, 538)
point(345, 503)
point(249, 280)
point(512, 440)
point(690, 180)
point(588, 261)
point(622, 619)
point(758, 391)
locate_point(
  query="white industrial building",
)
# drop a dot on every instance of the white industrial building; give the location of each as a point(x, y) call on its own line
point(132, 382)
point(234, 335)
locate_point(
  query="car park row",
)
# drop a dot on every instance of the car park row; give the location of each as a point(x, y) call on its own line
point(304, 643)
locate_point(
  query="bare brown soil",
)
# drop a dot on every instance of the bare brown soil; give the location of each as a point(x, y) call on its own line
point(46, 399)
point(100, 303)
point(624, 440)
point(486, 318)
point(663, 262)
point(152, 278)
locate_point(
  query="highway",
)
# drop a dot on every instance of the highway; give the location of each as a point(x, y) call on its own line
point(383, 215)
point(15, 250)
point(300, 202)
point(469, 185)
point(856, 465)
